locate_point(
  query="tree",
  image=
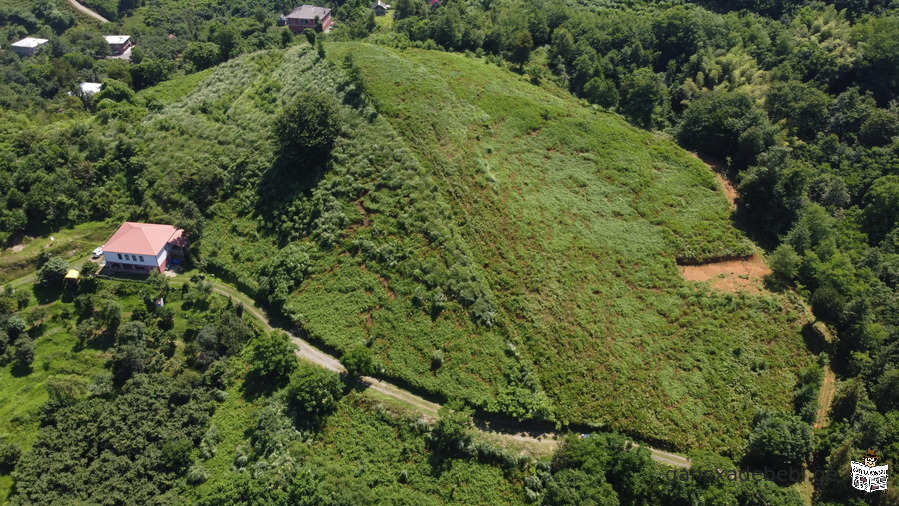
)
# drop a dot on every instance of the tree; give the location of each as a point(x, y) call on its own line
point(644, 98)
point(24, 352)
point(151, 72)
point(785, 262)
point(308, 128)
point(520, 47)
point(779, 441)
point(133, 332)
point(310, 36)
point(53, 271)
point(313, 393)
point(358, 362)
point(202, 55)
point(9, 455)
point(601, 91)
point(882, 206)
point(273, 357)
point(116, 91)
point(130, 359)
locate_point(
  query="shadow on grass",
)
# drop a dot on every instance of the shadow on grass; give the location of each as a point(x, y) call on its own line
point(19, 370)
point(256, 386)
point(283, 184)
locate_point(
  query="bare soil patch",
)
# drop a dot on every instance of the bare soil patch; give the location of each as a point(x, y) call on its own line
point(717, 166)
point(17, 248)
point(730, 275)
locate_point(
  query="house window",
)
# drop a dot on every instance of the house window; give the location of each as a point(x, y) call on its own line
point(120, 255)
point(127, 257)
point(141, 258)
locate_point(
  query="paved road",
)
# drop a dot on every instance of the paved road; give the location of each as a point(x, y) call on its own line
point(309, 352)
point(80, 8)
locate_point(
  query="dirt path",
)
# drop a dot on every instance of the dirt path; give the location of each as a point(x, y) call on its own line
point(730, 275)
point(718, 167)
point(825, 397)
point(84, 10)
point(542, 444)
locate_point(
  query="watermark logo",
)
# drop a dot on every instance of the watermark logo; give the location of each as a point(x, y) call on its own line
point(867, 476)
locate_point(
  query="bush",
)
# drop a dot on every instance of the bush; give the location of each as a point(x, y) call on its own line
point(9, 456)
point(273, 357)
point(313, 393)
point(53, 272)
point(358, 362)
point(308, 128)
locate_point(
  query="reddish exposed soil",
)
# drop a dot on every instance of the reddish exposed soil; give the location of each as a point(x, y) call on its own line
point(717, 167)
point(731, 275)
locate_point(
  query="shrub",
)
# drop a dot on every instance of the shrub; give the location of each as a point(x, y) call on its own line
point(9, 456)
point(273, 357)
point(358, 362)
point(53, 272)
point(313, 393)
point(308, 128)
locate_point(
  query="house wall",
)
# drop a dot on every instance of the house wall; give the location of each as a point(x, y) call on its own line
point(298, 25)
point(158, 261)
point(25, 51)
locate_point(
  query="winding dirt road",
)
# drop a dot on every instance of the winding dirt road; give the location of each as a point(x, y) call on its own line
point(543, 444)
point(84, 10)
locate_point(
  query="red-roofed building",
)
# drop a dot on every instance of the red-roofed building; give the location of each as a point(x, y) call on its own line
point(141, 247)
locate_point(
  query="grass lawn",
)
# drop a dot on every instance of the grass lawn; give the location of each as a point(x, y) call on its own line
point(385, 22)
point(74, 244)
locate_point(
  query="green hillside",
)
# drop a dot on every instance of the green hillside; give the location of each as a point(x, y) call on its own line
point(487, 239)
point(528, 242)
point(576, 221)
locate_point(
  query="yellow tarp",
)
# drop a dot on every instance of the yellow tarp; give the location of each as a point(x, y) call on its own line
point(72, 274)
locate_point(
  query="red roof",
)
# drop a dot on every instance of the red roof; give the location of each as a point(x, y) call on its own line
point(141, 238)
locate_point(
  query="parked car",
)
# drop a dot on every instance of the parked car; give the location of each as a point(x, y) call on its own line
point(98, 251)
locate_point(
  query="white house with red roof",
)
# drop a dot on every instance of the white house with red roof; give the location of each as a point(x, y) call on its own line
point(141, 247)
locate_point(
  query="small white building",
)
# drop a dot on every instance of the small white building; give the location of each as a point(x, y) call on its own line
point(28, 46)
point(143, 247)
point(118, 44)
point(89, 89)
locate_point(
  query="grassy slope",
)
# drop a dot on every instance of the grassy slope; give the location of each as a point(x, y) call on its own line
point(73, 244)
point(577, 219)
point(472, 181)
point(350, 297)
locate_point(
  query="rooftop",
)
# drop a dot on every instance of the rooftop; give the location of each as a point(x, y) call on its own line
point(381, 4)
point(116, 39)
point(30, 42)
point(141, 238)
point(89, 88)
point(309, 12)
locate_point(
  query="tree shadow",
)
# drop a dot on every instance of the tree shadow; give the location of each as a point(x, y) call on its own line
point(46, 294)
point(814, 339)
point(285, 181)
point(20, 370)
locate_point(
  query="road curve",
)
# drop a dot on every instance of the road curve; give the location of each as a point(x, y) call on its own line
point(309, 352)
point(84, 10)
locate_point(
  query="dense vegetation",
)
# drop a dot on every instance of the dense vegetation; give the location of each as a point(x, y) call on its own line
point(409, 209)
